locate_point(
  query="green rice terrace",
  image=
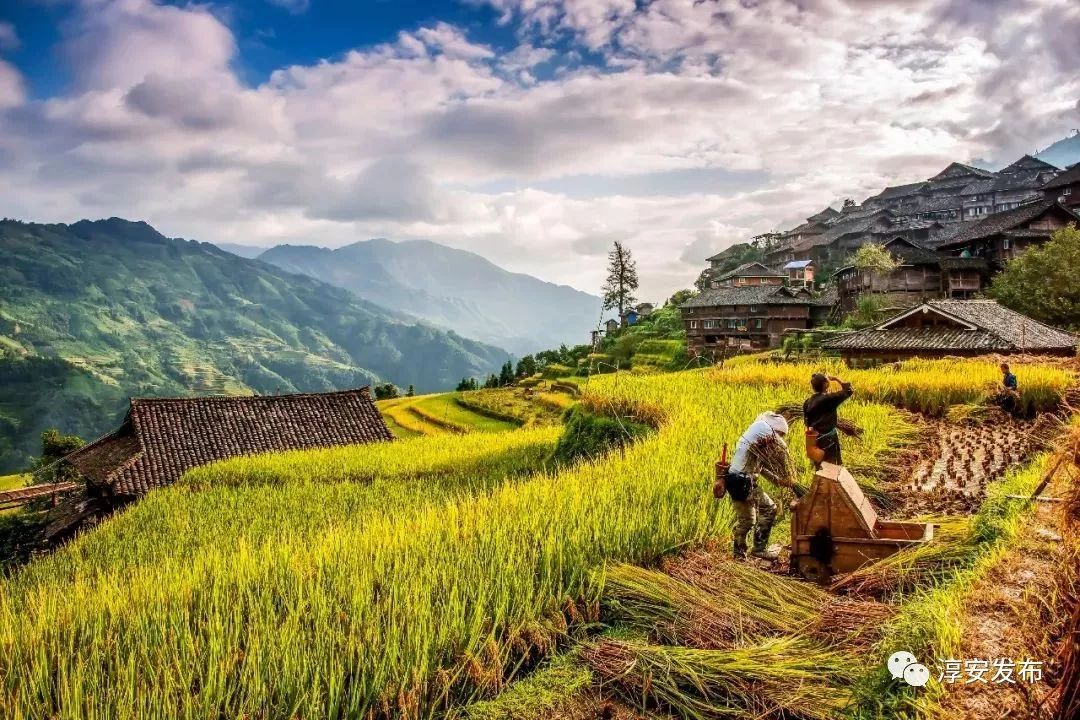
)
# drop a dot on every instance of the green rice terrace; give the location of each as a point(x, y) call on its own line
point(473, 569)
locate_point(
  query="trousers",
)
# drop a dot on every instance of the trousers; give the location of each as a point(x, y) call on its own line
point(758, 513)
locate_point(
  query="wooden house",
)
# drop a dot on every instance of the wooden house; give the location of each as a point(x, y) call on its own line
point(727, 319)
point(749, 274)
point(1002, 236)
point(922, 274)
point(800, 273)
point(937, 328)
point(161, 438)
point(1065, 188)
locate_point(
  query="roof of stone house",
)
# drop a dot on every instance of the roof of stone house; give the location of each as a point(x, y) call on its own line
point(978, 325)
point(750, 295)
point(1006, 220)
point(750, 269)
point(162, 437)
point(1070, 176)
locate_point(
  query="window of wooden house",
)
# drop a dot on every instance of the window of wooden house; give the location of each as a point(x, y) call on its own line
point(693, 324)
point(1005, 244)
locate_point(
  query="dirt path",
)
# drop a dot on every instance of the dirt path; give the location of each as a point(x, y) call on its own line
point(1012, 613)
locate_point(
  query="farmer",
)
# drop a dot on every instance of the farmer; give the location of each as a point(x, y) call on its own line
point(761, 449)
point(819, 413)
point(1009, 399)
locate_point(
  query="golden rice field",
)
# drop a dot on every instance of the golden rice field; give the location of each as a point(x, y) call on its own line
point(397, 580)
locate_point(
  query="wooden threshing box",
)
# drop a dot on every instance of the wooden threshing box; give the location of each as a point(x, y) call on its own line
point(834, 529)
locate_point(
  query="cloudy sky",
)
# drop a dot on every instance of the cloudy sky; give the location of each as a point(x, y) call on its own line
point(535, 132)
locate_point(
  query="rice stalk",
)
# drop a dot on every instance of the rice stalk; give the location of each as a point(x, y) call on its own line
point(780, 677)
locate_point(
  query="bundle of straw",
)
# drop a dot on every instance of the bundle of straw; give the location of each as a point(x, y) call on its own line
point(674, 611)
point(851, 624)
point(776, 602)
point(908, 569)
point(773, 461)
point(785, 677)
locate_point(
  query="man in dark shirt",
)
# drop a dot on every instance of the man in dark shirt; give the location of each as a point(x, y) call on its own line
point(1008, 379)
point(819, 413)
point(1009, 400)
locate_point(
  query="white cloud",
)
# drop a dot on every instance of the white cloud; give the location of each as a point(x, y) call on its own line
point(821, 99)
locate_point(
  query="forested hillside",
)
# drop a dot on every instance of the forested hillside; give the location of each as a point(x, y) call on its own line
point(128, 311)
point(453, 289)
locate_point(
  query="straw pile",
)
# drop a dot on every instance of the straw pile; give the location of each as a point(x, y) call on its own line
point(784, 677)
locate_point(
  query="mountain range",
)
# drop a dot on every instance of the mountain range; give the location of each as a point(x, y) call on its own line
point(1063, 153)
point(452, 289)
point(93, 312)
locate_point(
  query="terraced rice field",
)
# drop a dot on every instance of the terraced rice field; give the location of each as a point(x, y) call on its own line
point(412, 579)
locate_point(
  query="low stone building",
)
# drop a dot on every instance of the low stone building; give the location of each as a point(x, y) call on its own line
point(938, 328)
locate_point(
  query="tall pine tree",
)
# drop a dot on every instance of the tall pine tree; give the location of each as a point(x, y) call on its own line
point(622, 280)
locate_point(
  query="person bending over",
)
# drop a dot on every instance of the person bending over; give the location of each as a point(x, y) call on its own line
point(760, 450)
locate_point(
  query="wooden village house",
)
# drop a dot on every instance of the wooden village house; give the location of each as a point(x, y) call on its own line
point(161, 438)
point(1004, 235)
point(938, 328)
point(1065, 188)
point(726, 319)
point(922, 274)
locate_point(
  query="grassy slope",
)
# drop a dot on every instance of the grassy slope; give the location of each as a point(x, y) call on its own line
point(492, 570)
point(11, 482)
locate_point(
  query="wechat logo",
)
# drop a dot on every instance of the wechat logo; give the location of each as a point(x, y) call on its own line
point(903, 666)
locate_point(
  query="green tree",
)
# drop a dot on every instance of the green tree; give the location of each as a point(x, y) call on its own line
point(622, 279)
point(411, 391)
point(1043, 282)
point(491, 382)
point(876, 260)
point(506, 374)
point(680, 297)
point(54, 446)
point(387, 391)
point(467, 384)
point(526, 367)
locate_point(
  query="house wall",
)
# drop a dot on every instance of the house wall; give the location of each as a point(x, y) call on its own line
point(907, 286)
point(724, 328)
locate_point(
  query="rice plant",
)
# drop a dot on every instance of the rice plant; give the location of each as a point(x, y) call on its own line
point(323, 587)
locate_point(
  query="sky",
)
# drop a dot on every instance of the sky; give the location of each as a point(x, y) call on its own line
point(534, 132)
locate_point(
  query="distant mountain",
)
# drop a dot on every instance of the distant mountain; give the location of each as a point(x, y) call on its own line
point(452, 288)
point(1064, 152)
point(244, 251)
point(93, 312)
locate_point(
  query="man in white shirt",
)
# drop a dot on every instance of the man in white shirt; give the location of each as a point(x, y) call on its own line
point(761, 449)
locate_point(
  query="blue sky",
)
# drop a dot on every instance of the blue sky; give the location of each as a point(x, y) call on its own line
point(534, 132)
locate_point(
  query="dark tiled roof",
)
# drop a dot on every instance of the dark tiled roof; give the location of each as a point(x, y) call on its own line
point(968, 170)
point(750, 269)
point(749, 295)
point(1027, 162)
point(1070, 176)
point(1002, 221)
point(979, 187)
point(996, 329)
point(163, 437)
point(1020, 180)
point(898, 191)
point(825, 214)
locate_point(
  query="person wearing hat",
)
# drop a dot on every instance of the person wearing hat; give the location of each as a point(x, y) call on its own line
point(760, 450)
point(819, 413)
